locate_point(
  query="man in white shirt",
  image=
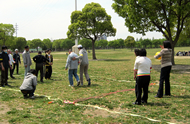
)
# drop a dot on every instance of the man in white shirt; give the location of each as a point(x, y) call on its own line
point(11, 61)
point(142, 69)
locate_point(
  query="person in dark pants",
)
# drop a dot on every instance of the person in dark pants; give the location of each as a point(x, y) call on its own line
point(4, 60)
point(16, 58)
point(142, 69)
point(39, 59)
point(166, 66)
point(29, 84)
point(48, 65)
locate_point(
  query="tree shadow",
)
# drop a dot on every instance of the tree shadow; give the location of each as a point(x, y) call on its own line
point(184, 97)
point(158, 104)
point(176, 69)
point(111, 60)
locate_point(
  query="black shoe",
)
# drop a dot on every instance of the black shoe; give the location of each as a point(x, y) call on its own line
point(167, 95)
point(136, 103)
point(2, 85)
point(144, 102)
point(13, 77)
point(7, 85)
point(89, 82)
point(158, 96)
point(78, 83)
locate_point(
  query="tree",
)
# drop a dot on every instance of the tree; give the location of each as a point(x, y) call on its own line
point(142, 16)
point(19, 43)
point(67, 43)
point(57, 44)
point(146, 42)
point(114, 44)
point(92, 22)
point(35, 43)
point(130, 42)
point(102, 43)
point(121, 42)
point(6, 33)
point(47, 44)
point(86, 43)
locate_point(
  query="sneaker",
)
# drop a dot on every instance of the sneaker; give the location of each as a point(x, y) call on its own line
point(78, 83)
point(71, 85)
point(32, 97)
point(2, 85)
point(7, 85)
point(13, 77)
point(89, 82)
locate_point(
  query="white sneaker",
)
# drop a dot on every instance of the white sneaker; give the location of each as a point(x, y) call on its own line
point(71, 85)
point(78, 83)
point(32, 97)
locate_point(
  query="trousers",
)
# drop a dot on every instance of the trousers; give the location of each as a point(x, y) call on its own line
point(4, 76)
point(84, 69)
point(39, 67)
point(17, 67)
point(48, 72)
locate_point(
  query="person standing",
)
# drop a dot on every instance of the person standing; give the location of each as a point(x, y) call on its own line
point(142, 69)
point(49, 65)
point(166, 65)
point(83, 56)
point(73, 66)
point(26, 59)
point(16, 58)
point(39, 59)
point(4, 60)
point(11, 61)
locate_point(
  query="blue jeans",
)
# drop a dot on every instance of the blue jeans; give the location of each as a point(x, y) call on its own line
point(71, 73)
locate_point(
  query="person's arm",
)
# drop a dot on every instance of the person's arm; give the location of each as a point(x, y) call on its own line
point(79, 57)
point(51, 60)
point(1, 62)
point(135, 69)
point(19, 59)
point(34, 58)
point(158, 56)
point(9, 63)
point(34, 81)
point(135, 74)
point(68, 62)
point(24, 59)
point(2, 66)
point(12, 59)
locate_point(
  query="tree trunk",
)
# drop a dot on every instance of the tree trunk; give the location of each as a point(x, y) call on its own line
point(173, 54)
point(93, 50)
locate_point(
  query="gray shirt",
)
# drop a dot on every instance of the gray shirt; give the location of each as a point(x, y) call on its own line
point(70, 63)
point(29, 82)
point(83, 56)
point(26, 58)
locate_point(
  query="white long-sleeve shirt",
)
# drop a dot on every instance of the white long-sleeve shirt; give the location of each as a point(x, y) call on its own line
point(11, 59)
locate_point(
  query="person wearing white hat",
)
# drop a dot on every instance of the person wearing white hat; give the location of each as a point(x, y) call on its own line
point(83, 57)
point(16, 58)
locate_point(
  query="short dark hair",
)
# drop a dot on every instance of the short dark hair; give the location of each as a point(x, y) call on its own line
point(4, 47)
point(167, 44)
point(33, 71)
point(137, 52)
point(143, 52)
point(26, 47)
point(39, 52)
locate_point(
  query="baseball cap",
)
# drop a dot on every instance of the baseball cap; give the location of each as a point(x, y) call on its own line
point(79, 46)
point(16, 49)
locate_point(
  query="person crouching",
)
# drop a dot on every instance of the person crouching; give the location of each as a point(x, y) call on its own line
point(29, 84)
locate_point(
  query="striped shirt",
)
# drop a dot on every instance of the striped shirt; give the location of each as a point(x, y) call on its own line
point(143, 66)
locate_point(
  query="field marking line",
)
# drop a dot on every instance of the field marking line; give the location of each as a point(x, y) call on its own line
point(77, 104)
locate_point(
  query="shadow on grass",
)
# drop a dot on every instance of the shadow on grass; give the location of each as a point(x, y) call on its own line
point(176, 69)
point(111, 60)
point(158, 104)
point(184, 97)
point(85, 86)
point(39, 97)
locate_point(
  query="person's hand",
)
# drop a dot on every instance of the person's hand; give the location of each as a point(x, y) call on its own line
point(11, 67)
point(14, 62)
point(3, 68)
point(73, 58)
point(65, 68)
point(135, 77)
point(25, 66)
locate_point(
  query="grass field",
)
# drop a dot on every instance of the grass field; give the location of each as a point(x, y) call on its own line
point(113, 71)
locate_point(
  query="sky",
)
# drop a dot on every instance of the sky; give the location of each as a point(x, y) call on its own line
point(51, 18)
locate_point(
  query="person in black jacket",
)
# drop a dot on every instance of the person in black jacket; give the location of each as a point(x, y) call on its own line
point(4, 62)
point(16, 58)
point(39, 59)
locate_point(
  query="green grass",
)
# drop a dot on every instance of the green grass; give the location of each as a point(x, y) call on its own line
point(107, 75)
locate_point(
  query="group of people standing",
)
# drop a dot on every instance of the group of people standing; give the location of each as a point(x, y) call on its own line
point(142, 70)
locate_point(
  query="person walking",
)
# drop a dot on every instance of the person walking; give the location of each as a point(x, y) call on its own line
point(26, 59)
point(16, 58)
point(11, 61)
point(4, 62)
point(48, 65)
point(39, 59)
point(73, 66)
point(166, 65)
point(142, 69)
point(83, 57)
